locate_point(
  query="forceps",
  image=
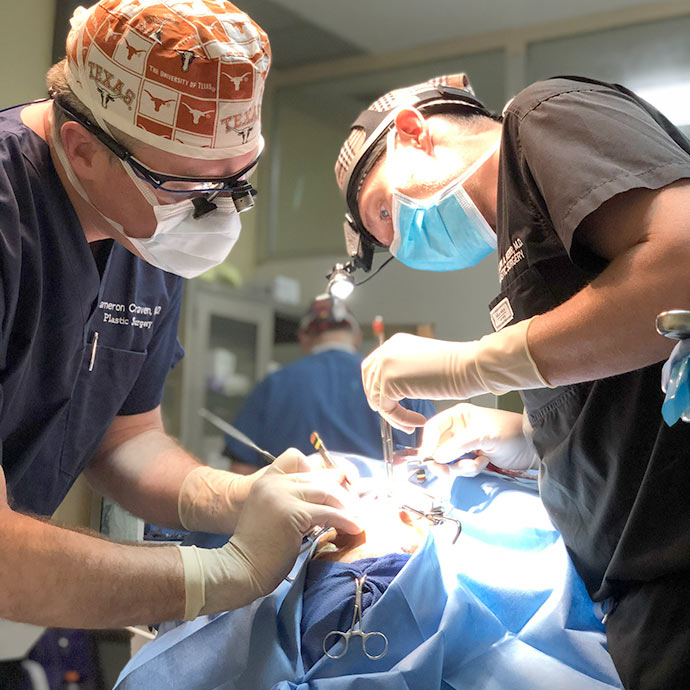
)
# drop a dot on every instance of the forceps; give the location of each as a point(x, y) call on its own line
point(355, 629)
point(386, 430)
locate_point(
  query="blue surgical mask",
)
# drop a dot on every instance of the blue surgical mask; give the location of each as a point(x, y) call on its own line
point(444, 233)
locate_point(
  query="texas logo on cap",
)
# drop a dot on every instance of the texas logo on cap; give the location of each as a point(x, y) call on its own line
point(187, 77)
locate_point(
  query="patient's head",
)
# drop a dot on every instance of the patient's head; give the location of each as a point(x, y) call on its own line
point(388, 529)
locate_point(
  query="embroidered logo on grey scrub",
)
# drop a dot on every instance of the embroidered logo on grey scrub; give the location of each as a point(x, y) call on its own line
point(511, 258)
point(132, 314)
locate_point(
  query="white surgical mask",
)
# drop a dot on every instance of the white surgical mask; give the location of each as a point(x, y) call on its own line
point(181, 244)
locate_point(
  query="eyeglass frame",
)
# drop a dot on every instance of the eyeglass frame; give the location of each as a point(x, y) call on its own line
point(238, 188)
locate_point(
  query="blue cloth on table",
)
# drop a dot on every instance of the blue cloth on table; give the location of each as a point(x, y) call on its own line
point(502, 608)
point(328, 599)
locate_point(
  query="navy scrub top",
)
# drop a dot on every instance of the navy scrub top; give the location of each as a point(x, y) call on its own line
point(61, 385)
point(321, 392)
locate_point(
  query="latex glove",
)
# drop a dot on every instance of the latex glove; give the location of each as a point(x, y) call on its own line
point(210, 500)
point(407, 366)
point(674, 382)
point(282, 506)
point(496, 436)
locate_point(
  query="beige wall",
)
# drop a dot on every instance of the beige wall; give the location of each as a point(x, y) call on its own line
point(26, 42)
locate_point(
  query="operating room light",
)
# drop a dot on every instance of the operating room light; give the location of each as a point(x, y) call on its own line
point(673, 100)
point(340, 283)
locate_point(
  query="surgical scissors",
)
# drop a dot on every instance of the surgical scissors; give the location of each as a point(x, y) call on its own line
point(355, 629)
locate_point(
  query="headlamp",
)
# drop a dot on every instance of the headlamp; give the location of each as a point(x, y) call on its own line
point(340, 281)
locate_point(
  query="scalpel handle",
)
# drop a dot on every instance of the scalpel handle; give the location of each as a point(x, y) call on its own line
point(230, 430)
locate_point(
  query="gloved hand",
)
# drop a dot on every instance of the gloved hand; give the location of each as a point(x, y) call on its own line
point(407, 366)
point(674, 382)
point(282, 506)
point(496, 436)
point(210, 500)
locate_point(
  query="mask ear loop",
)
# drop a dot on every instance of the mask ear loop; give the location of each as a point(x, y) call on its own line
point(74, 180)
point(143, 188)
point(480, 161)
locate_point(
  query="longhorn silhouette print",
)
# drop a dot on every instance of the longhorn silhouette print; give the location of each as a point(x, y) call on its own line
point(188, 56)
point(106, 96)
point(158, 102)
point(197, 114)
point(132, 50)
point(236, 81)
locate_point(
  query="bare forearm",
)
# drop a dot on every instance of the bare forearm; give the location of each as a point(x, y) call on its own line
point(151, 475)
point(144, 475)
point(608, 327)
point(56, 577)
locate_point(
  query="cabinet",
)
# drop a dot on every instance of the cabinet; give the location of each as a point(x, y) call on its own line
point(228, 339)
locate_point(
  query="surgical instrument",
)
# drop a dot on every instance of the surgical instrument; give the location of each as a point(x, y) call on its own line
point(674, 323)
point(235, 433)
point(355, 629)
point(409, 457)
point(386, 431)
point(140, 631)
point(327, 458)
point(436, 516)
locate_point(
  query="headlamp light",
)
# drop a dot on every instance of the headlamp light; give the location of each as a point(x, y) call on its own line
point(340, 281)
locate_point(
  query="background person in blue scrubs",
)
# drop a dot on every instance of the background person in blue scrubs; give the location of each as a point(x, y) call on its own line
point(129, 179)
point(321, 392)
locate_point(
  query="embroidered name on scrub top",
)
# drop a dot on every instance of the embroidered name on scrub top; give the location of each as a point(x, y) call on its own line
point(511, 257)
point(132, 314)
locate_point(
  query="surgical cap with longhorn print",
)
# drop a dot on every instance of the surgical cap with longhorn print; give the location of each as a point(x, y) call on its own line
point(185, 77)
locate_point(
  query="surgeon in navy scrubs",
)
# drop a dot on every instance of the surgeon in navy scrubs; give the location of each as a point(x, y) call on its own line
point(129, 179)
point(320, 392)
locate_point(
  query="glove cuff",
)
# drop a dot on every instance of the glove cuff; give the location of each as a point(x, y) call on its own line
point(504, 362)
point(194, 585)
point(229, 578)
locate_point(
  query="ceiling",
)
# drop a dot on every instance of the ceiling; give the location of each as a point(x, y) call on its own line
point(308, 31)
point(303, 31)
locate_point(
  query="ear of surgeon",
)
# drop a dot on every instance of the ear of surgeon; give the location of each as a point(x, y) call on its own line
point(427, 154)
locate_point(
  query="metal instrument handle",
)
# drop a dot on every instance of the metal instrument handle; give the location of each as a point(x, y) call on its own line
point(674, 323)
point(230, 430)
